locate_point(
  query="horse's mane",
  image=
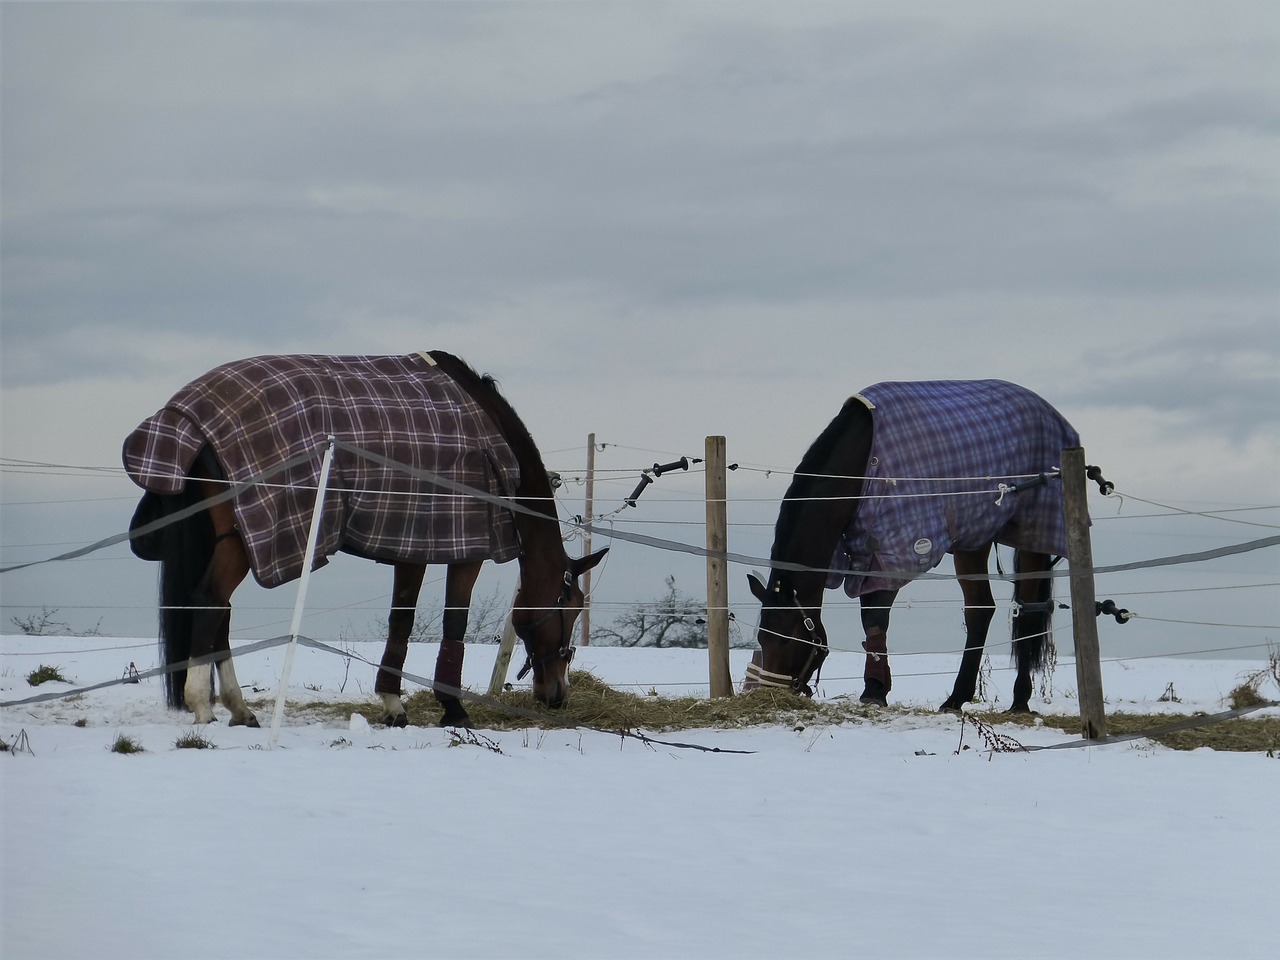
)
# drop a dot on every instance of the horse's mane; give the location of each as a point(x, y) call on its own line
point(483, 388)
point(816, 460)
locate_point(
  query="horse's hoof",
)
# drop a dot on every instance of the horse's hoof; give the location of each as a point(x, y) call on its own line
point(455, 716)
point(1021, 708)
point(874, 693)
point(950, 707)
point(396, 720)
point(249, 721)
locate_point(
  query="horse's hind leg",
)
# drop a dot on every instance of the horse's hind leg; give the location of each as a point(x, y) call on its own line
point(404, 603)
point(979, 608)
point(1034, 603)
point(211, 625)
point(457, 607)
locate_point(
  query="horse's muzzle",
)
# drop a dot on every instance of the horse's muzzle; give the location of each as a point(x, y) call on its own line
point(552, 689)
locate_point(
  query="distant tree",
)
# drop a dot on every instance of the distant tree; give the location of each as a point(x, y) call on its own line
point(44, 624)
point(676, 620)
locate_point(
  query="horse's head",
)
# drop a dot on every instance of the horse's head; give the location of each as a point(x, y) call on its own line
point(543, 618)
point(793, 642)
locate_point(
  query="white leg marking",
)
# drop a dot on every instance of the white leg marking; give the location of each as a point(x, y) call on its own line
point(232, 698)
point(391, 705)
point(196, 693)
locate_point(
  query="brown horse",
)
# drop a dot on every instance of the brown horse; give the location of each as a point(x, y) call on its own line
point(431, 412)
point(906, 473)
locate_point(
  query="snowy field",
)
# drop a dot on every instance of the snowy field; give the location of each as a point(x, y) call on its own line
point(863, 839)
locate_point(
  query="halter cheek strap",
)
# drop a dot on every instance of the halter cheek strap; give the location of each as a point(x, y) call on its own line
point(565, 652)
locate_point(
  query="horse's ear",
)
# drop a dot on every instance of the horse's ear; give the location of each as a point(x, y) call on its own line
point(757, 588)
point(581, 565)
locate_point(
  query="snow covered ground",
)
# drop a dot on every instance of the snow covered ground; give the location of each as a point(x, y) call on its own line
point(863, 839)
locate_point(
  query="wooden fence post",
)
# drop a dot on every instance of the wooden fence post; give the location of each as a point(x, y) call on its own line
point(717, 574)
point(588, 509)
point(1083, 597)
point(502, 662)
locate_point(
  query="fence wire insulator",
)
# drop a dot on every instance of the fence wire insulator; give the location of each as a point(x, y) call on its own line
point(1109, 608)
point(1104, 485)
point(657, 470)
point(1036, 481)
point(645, 480)
point(682, 464)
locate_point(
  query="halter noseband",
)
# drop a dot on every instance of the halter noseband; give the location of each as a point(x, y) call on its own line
point(565, 652)
point(818, 651)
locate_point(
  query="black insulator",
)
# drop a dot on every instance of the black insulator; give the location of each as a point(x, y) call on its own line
point(645, 480)
point(1095, 474)
point(1109, 608)
point(660, 468)
point(1029, 484)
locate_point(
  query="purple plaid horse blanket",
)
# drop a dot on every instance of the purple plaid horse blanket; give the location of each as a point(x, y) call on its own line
point(256, 414)
point(939, 451)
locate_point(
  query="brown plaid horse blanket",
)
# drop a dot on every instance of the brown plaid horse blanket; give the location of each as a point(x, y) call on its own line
point(939, 451)
point(256, 414)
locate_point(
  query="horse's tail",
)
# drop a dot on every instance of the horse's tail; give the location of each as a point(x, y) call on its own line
point(1032, 636)
point(183, 549)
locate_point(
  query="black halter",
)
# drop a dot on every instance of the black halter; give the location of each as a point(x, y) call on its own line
point(565, 652)
point(818, 651)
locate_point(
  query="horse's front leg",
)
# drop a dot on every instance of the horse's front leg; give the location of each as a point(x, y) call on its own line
point(979, 608)
point(404, 603)
point(457, 607)
point(877, 679)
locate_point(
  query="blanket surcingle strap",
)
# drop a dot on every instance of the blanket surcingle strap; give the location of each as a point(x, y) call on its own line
point(940, 451)
point(258, 413)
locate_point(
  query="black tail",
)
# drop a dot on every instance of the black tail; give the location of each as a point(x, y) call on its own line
point(184, 549)
point(1032, 639)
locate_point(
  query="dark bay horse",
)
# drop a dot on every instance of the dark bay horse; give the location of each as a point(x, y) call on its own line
point(904, 474)
point(430, 411)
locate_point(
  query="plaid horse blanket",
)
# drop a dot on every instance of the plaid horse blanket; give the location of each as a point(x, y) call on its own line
point(939, 452)
point(256, 414)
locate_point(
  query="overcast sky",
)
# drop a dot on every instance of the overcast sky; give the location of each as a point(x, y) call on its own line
point(654, 222)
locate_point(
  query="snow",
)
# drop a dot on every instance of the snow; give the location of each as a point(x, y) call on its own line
point(869, 838)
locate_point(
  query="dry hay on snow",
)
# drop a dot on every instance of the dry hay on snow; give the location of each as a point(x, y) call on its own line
point(593, 703)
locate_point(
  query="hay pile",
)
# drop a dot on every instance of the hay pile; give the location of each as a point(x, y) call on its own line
point(1242, 735)
point(594, 704)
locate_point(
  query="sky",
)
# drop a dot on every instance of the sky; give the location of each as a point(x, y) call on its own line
point(654, 223)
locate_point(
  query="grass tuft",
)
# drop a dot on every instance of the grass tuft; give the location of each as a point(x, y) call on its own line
point(1245, 695)
point(44, 674)
point(125, 744)
point(194, 740)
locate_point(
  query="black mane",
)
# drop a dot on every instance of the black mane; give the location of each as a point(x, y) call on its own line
point(816, 461)
point(534, 485)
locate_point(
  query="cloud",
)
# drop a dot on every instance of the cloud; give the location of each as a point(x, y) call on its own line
point(654, 221)
point(1214, 379)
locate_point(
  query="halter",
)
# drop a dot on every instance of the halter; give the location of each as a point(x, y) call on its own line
point(565, 652)
point(818, 651)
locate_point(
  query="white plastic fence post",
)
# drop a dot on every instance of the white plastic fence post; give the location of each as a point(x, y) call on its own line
point(313, 535)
